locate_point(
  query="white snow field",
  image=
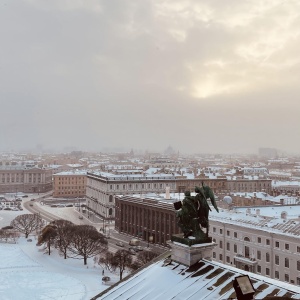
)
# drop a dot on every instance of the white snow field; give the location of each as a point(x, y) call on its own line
point(27, 272)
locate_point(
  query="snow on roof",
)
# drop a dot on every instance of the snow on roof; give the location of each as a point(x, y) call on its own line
point(74, 172)
point(265, 218)
point(152, 170)
point(110, 176)
point(74, 165)
point(204, 280)
point(277, 183)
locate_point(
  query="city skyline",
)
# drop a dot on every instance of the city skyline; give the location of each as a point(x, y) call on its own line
point(201, 77)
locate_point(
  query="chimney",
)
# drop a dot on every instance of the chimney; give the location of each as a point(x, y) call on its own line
point(168, 193)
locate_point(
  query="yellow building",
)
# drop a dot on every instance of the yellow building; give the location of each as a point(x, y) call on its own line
point(69, 184)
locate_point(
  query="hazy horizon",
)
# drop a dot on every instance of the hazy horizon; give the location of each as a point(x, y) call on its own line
point(219, 77)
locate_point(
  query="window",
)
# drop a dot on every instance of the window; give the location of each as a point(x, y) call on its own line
point(228, 259)
point(267, 271)
point(228, 233)
point(246, 239)
point(277, 244)
point(286, 262)
point(287, 246)
point(117, 186)
point(298, 265)
point(298, 249)
point(214, 229)
point(259, 240)
point(286, 277)
point(214, 254)
point(298, 280)
point(276, 275)
point(221, 257)
point(221, 244)
point(258, 269)
point(267, 241)
point(276, 260)
point(235, 234)
point(221, 231)
point(228, 246)
point(235, 248)
point(267, 257)
point(124, 186)
point(258, 255)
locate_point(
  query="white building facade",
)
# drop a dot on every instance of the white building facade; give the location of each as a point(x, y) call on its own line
point(102, 187)
point(267, 247)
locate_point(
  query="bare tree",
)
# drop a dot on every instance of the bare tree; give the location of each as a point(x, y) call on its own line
point(64, 233)
point(7, 235)
point(27, 223)
point(86, 242)
point(47, 236)
point(122, 260)
point(106, 261)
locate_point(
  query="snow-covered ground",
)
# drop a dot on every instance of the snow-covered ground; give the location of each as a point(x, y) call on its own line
point(27, 272)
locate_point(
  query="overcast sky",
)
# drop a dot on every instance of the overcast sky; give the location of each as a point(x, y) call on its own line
point(202, 76)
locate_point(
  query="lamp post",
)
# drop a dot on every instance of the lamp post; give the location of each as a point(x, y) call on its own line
point(243, 287)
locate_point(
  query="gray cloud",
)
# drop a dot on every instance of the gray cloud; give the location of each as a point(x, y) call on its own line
point(217, 76)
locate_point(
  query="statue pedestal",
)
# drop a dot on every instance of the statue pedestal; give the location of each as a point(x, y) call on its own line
point(189, 255)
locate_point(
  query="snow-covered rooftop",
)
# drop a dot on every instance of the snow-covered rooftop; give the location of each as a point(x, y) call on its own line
point(110, 176)
point(204, 280)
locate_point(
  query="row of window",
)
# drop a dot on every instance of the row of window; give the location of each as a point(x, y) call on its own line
point(259, 270)
point(140, 186)
point(70, 187)
point(259, 240)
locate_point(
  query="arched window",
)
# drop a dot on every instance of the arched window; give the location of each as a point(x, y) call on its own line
point(110, 198)
point(246, 239)
point(110, 211)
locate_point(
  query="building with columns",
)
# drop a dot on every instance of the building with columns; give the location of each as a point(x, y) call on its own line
point(263, 240)
point(25, 178)
point(102, 188)
point(151, 219)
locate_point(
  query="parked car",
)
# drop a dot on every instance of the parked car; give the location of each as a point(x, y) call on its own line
point(80, 217)
point(105, 278)
point(30, 204)
point(120, 244)
point(25, 196)
point(7, 208)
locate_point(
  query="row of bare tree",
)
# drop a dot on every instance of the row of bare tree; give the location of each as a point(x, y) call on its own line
point(75, 241)
point(80, 242)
